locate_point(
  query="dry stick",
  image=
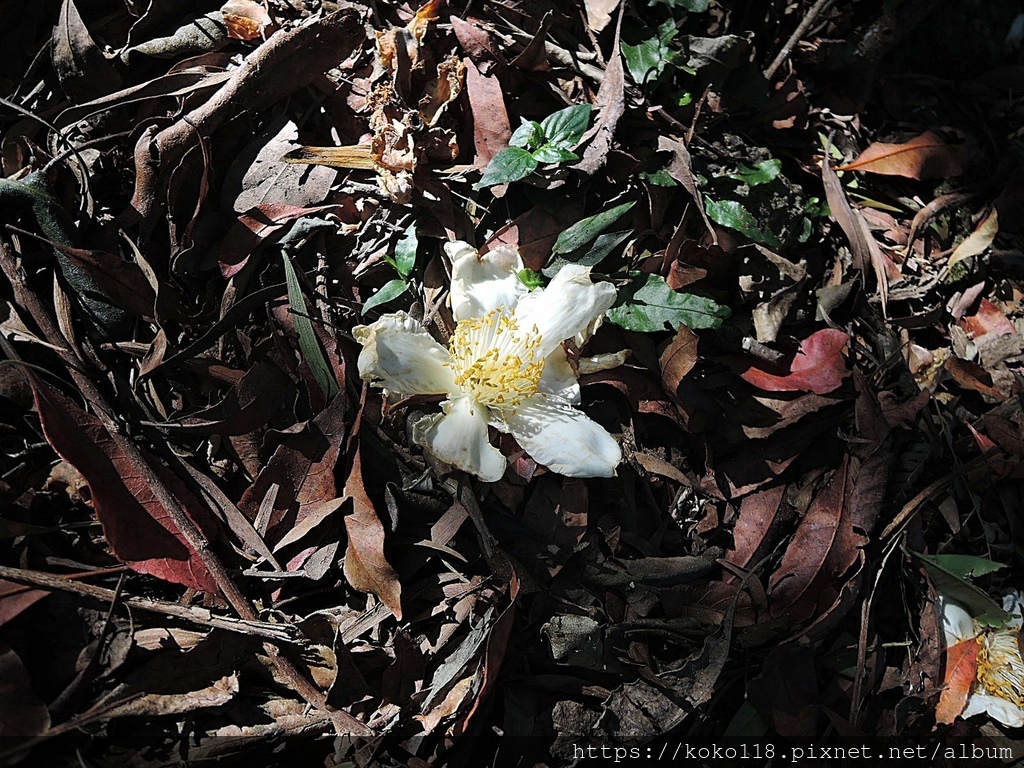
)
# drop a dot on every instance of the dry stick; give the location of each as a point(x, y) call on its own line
point(200, 616)
point(194, 537)
point(798, 33)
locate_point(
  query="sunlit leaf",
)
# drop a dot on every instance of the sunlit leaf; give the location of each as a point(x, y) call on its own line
point(390, 291)
point(566, 127)
point(308, 344)
point(649, 305)
point(510, 164)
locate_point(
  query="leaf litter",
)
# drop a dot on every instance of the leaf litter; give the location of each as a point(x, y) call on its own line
point(812, 368)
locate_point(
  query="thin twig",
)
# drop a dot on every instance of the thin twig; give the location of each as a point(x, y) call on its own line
point(201, 616)
point(816, 9)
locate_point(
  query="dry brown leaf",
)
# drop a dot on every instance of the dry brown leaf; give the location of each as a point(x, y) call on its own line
point(927, 156)
point(366, 568)
point(678, 359)
point(245, 19)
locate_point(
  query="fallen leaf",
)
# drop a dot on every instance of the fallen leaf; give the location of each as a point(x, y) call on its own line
point(678, 359)
point(818, 366)
point(23, 715)
point(610, 103)
point(976, 242)
point(865, 250)
point(366, 568)
point(961, 671)
point(245, 19)
point(988, 319)
point(137, 527)
point(491, 127)
point(927, 156)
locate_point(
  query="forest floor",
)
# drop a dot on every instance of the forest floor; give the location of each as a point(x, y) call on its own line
point(778, 513)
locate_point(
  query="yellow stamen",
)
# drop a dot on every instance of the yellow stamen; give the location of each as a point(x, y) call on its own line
point(496, 364)
point(1000, 667)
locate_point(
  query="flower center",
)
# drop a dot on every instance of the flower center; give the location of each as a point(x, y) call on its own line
point(1000, 667)
point(495, 363)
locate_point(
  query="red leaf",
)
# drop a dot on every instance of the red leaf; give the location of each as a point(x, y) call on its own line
point(137, 527)
point(15, 598)
point(491, 128)
point(961, 670)
point(988, 319)
point(818, 367)
point(678, 359)
point(366, 568)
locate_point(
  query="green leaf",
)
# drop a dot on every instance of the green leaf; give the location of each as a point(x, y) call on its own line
point(949, 574)
point(529, 135)
point(405, 252)
point(309, 346)
point(648, 59)
point(389, 291)
point(649, 305)
point(694, 6)
point(660, 178)
point(604, 245)
point(510, 164)
point(551, 154)
point(566, 127)
point(530, 279)
point(730, 213)
point(762, 173)
point(582, 232)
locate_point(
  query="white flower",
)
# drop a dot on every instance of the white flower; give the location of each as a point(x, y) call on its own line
point(505, 366)
point(998, 688)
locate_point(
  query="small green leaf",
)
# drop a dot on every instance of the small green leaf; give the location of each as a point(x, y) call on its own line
point(566, 127)
point(529, 135)
point(730, 213)
point(309, 346)
point(762, 173)
point(552, 154)
point(649, 305)
point(660, 178)
point(389, 291)
point(582, 232)
point(530, 279)
point(405, 252)
point(510, 164)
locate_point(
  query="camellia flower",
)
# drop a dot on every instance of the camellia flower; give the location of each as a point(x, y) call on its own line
point(996, 687)
point(505, 367)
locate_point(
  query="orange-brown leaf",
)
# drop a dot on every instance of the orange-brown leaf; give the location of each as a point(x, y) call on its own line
point(678, 359)
point(245, 19)
point(926, 156)
point(366, 568)
point(961, 669)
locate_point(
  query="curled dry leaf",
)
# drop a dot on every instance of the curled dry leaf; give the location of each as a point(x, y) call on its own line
point(245, 19)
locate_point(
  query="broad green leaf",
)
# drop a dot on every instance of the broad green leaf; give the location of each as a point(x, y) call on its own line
point(405, 252)
point(529, 135)
point(659, 178)
point(552, 154)
point(510, 164)
point(582, 232)
point(762, 173)
point(949, 574)
point(389, 291)
point(649, 305)
point(604, 245)
point(648, 59)
point(566, 127)
point(308, 344)
point(530, 279)
point(732, 214)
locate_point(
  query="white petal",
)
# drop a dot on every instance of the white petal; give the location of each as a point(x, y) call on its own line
point(569, 305)
point(399, 354)
point(1005, 712)
point(957, 624)
point(564, 439)
point(559, 378)
point(459, 438)
point(482, 283)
